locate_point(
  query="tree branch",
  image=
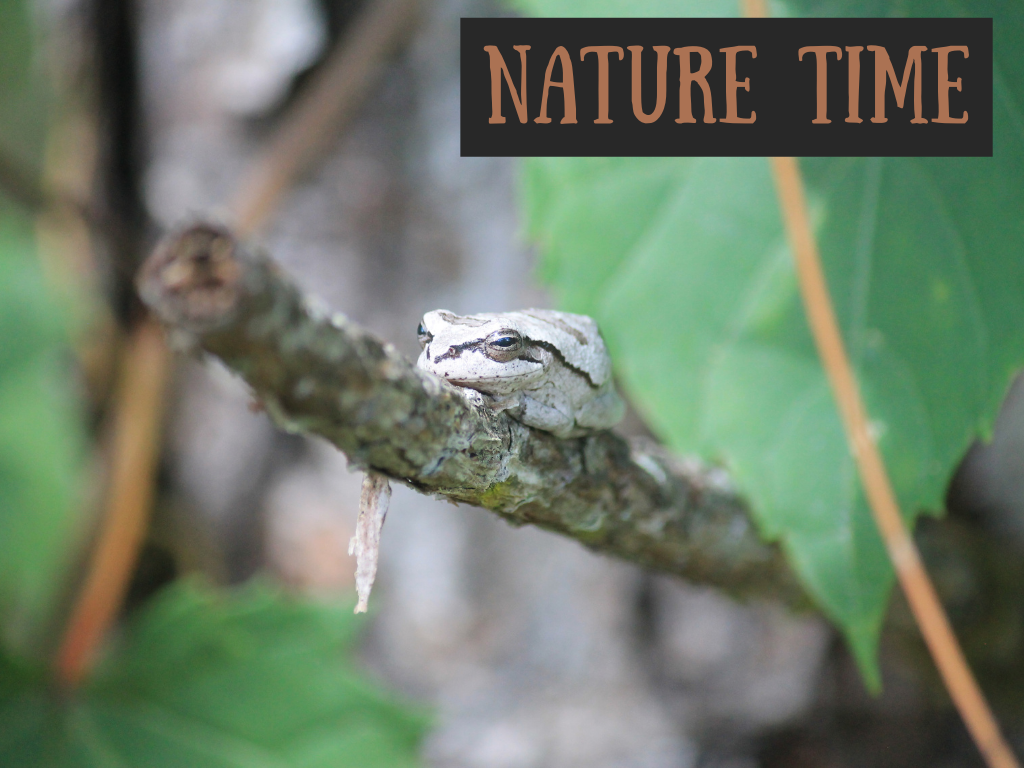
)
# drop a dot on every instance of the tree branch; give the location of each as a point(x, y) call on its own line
point(319, 373)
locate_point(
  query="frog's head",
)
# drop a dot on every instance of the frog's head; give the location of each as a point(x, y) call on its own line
point(487, 352)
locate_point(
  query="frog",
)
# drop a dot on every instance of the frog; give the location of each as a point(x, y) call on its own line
point(547, 369)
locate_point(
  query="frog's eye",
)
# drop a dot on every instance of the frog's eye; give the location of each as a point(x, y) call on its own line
point(424, 336)
point(504, 345)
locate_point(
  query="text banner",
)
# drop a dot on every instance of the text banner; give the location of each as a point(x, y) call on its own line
point(727, 87)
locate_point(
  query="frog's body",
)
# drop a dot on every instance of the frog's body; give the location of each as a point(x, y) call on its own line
point(549, 369)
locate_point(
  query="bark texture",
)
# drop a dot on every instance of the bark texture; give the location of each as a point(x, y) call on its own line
point(315, 371)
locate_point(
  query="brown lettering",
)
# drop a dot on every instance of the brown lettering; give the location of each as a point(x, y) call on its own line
point(853, 69)
point(567, 86)
point(638, 105)
point(602, 52)
point(883, 68)
point(498, 68)
point(732, 84)
point(945, 84)
point(688, 78)
point(821, 53)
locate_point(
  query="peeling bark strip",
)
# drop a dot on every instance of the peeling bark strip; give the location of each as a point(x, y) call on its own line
point(365, 545)
point(317, 372)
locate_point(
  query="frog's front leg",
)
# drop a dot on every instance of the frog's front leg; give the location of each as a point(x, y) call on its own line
point(509, 402)
point(601, 412)
point(529, 411)
point(550, 418)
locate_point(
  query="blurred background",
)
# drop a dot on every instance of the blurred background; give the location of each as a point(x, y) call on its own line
point(527, 650)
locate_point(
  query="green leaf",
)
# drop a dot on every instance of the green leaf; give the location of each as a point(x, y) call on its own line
point(41, 431)
point(201, 680)
point(684, 264)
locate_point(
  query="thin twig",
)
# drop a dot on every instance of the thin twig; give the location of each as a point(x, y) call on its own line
point(906, 560)
point(134, 449)
point(755, 9)
point(330, 101)
point(924, 603)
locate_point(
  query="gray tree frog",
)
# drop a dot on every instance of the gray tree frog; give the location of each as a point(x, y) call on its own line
point(549, 369)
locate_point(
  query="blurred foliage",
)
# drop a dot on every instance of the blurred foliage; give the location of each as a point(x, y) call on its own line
point(24, 97)
point(684, 264)
point(204, 680)
point(199, 680)
point(41, 432)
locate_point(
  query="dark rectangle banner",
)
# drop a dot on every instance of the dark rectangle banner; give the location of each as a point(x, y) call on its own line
point(726, 87)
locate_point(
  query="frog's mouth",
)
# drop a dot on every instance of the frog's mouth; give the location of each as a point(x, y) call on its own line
point(492, 384)
point(486, 383)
